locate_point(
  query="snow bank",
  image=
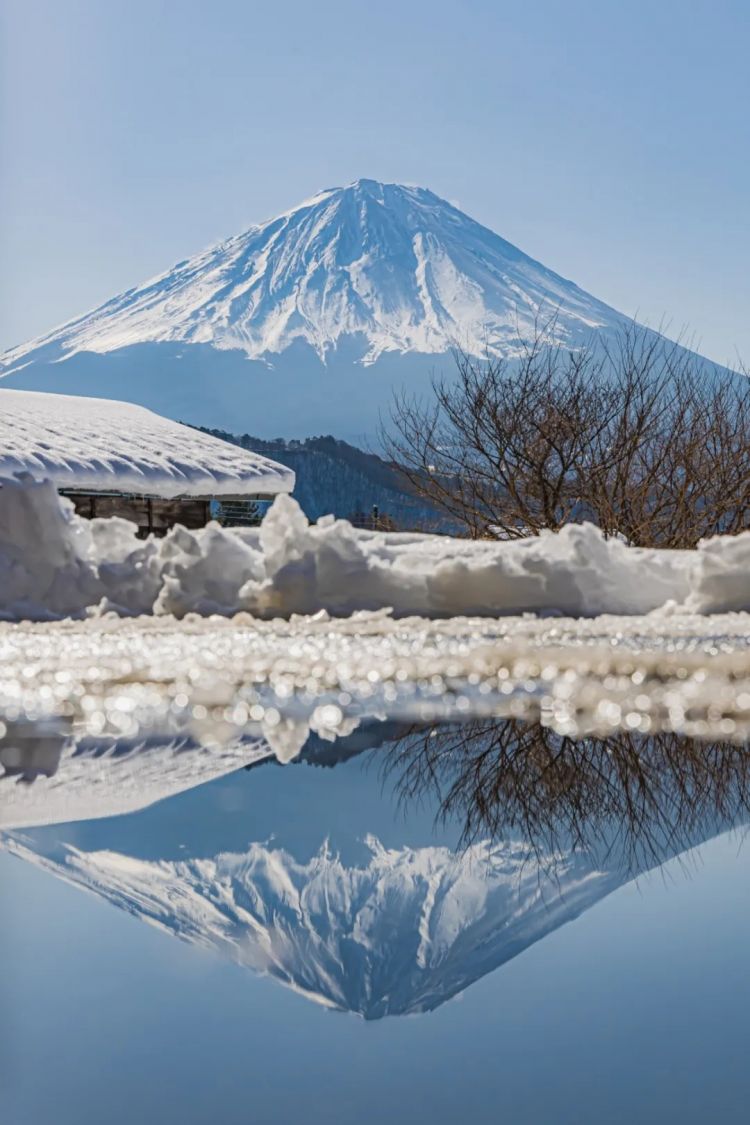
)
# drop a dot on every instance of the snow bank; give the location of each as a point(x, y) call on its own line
point(94, 443)
point(54, 564)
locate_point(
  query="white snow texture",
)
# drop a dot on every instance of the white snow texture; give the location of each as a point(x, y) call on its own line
point(54, 564)
point(99, 444)
point(400, 933)
point(394, 266)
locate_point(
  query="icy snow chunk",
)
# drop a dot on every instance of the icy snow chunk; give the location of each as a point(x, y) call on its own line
point(722, 575)
point(203, 573)
point(44, 568)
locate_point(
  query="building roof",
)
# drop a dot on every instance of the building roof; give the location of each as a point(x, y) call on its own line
point(99, 445)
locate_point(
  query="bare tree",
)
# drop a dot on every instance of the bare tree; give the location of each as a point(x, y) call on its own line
point(639, 796)
point(636, 434)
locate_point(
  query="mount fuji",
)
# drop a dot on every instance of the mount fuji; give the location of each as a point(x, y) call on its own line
point(307, 322)
point(315, 877)
point(397, 934)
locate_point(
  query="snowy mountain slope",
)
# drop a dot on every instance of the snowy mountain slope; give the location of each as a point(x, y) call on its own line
point(397, 265)
point(398, 934)
point(352, 292)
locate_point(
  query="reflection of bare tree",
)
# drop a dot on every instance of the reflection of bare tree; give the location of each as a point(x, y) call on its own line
point(641, 797)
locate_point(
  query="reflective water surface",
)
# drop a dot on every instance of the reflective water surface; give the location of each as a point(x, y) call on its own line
point(485, 920)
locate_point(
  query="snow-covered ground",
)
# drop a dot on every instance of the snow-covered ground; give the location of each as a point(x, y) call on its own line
point(97, 444)
point(219, 679)
point(272, 632)
point(54, 564)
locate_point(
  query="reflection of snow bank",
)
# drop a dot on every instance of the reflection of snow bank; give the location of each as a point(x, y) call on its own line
point(93, 779)
point(54, 564)
point(217, 678)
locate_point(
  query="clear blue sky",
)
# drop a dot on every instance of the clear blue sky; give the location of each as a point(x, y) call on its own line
point(610, 140)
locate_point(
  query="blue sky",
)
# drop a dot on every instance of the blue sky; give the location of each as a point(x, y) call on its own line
point(609, 140)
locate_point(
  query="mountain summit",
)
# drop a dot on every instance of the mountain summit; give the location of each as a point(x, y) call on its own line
point(397, 934)
point(366, 276)
point(396, 265)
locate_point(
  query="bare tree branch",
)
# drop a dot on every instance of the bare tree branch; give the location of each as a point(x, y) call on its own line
point(637, 434)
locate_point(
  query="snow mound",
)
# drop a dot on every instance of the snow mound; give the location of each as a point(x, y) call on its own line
point(99, 444)
point(54, 564)
point(393, 266)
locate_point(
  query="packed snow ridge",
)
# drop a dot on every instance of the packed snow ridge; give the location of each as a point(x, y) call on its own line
point(98, 444)
point(396, 267)
point(54, 564)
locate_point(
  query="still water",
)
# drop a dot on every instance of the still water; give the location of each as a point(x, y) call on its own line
point(482, 921)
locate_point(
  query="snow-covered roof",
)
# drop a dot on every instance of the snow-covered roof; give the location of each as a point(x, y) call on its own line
point(97, 444)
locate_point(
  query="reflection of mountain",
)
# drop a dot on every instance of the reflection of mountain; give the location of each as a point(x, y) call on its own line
point(401, 933)
point(316, 878)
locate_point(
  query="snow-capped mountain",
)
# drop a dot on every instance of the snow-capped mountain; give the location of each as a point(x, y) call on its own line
point(354, 290)
point(397, 265)
point(398, 934)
